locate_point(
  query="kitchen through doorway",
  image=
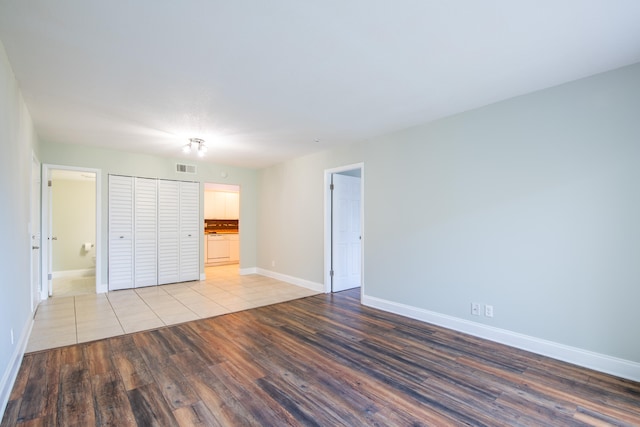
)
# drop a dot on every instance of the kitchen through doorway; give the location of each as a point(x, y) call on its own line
point(221, 226)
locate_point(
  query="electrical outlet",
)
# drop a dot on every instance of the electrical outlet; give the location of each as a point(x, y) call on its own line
point(488, 310)
point(12, 336)
point(475, 308)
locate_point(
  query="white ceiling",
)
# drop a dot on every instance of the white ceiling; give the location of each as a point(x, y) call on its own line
point(260, 81)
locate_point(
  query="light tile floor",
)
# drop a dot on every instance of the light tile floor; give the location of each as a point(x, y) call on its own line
point(72, 286)
point(61, 321)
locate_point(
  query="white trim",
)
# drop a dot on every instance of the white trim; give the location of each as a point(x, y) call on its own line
point(74, 273)
point(36, 294)
point(102, 288)
point(203, 276)
point(314, 286)
point(246, 271)
point(10, 375)
point(327, 223)
point(577, 356)
point(44, 207)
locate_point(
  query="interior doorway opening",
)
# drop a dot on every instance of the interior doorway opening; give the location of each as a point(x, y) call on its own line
point(344, 212)
point(222, 226)
point(71, 263)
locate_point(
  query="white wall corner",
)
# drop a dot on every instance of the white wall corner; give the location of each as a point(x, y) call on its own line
point(246, 271)
point(10, 375)
point(577, 356)
point(318, 287)
point(203, 276)
point(102, 288)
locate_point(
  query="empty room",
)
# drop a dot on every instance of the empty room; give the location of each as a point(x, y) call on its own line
point(331, 213)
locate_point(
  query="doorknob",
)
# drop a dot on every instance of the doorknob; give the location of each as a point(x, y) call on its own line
point(35, 247)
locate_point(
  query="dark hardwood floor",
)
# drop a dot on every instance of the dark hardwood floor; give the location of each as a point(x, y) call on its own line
point(318, 361)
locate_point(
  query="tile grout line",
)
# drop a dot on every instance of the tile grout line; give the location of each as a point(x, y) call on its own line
point(154, 312)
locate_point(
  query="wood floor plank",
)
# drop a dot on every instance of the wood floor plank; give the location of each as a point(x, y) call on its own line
point(321, 360)
point(129, 362)
point(150, 408)
point(22, 378)
point(111, 402)
point(197, 414)
point(98, 357)
point(34, 398)
point(75, 397)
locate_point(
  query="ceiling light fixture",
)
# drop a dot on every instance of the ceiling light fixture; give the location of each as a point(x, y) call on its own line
point(195, 144)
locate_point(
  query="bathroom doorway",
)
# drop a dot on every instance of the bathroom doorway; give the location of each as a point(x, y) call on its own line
point(71, 237)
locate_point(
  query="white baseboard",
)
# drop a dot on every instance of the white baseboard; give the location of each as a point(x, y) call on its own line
point(203, 276)
point(10, 375)
point(251, 270)
point(102, 288)
point(577, 356)
point(74, 273)
point(318, 287)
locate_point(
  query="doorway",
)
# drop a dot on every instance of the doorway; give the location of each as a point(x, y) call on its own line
point(71, 226)
point(343, 228)
point(36, 179)
point(221, 213)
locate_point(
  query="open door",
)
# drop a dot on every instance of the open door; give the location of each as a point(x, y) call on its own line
point(345, 230)
point(35, 234)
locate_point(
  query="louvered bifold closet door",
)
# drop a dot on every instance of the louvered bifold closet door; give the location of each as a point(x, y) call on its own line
point(146, 232)
point(120, 232)
point(190, 231)
point(168, 231)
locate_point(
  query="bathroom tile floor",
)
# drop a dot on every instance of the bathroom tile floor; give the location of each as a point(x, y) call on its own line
point(66, 320)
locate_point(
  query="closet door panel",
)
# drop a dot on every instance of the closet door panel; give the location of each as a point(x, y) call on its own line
point(121, 264)
point(190, 231)
point(168, 231)
point(146, 232)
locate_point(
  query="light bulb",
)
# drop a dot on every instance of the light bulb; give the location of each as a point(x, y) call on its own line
point(187, 148)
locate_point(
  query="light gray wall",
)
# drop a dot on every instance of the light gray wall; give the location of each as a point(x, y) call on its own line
point(132, 164)
point(73, 223)
point(17, 140)
point(530, 204)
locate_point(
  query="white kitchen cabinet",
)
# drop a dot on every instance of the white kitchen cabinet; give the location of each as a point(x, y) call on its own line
point(234, 248)
point(221, 205)
point(120, 232)
point(217, 248)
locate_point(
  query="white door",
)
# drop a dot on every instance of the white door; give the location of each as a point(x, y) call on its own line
point(50, 237)
point(35, 234)
point(146, 232)
point(168, 231)
point(346, 242)
point(121, 232)
point(190, 231)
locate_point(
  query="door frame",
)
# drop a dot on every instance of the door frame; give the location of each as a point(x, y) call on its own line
point(46, 224)
point(35, 212)
point(328, 224)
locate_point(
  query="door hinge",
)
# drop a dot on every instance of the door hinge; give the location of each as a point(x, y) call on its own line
point(49, 183)
point(331, 187)
point(331, 273)
point(49, 276)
